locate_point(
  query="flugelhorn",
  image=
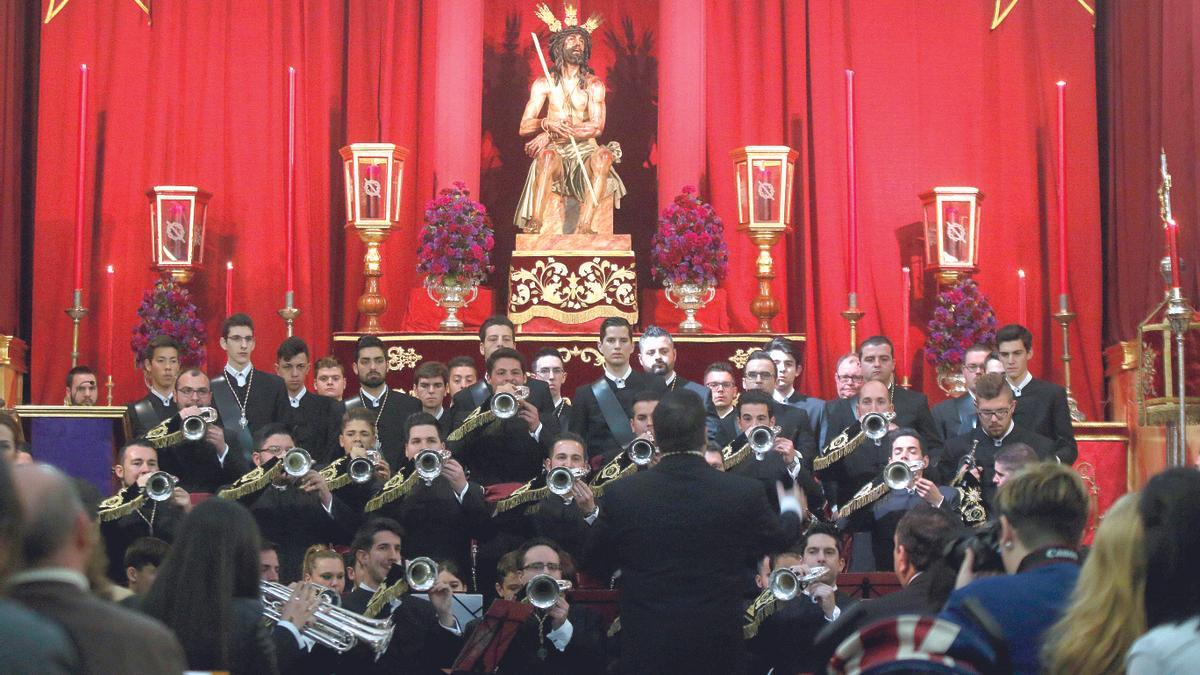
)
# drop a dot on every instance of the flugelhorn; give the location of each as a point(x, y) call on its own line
point(543, 590)
point(337, 628)
point(900, 475)
point(761, 439)
point(505, 405)
point(641, 451)
point(160, 486)
point(421, 574)
point(428, 464)
point(297, 462)
point(785, 584)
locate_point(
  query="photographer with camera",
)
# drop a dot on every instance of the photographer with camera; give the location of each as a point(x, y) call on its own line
point(1043, 510)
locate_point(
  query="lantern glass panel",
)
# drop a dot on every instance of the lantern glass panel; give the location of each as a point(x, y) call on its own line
point(372, 181)
point(175, 219)
point(743, 199)
point(955, 231)
point(768, 178)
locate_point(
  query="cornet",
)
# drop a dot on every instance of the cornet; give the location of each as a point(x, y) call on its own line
point(195, 427)
point(543, 590)
point(337, 628)
point(428, 464)
point(785, 584)
point(297, 462)
point(641, 451)
point(160, 486)
point(420, 574)
point(875, 425)
point(505, 405)
point(560, 479)
point(761, 439)
point(361, 469)
point(900, 475)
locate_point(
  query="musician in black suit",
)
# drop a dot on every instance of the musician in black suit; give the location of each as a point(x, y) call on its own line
point(136, 461)
point(160, 364)
point(656, 351)
point(680, 533)
point(429, 385)
point(846, 476)
point(602, 408)
point(314, 420)
point(760, 374)
point(202, 465)
point(721, 420)
point(956, 416)
point(427, 636)
point(783, 463)
point(997, 429)
point(1041, 405)
point(548, 367)
point(920, 537)
point(565, 639)
point(463, 374)
point(497, 332)
point(295, 512)
point(442, 517)
point(788, 368)
point(391, 406)
point(503, 450)
point(247, 398)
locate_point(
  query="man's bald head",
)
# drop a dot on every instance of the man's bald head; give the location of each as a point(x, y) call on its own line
point(55, 521)
point(874, 397)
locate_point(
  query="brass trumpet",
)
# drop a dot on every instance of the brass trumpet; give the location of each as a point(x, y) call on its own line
point(761, 439)
point(560, 480)
point(543, 590)
point(785, 584)
point(900, 475)
point(177, 429)
point(297, 462)
point(875, 425)
point(505, 405)
point(428, 464)
point(421, 574)
point(641, 451)
point(160, 486)
point(335, 627)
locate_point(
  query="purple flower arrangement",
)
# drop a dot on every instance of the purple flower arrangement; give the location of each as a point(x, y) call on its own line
point(167, 309)
point(457, 239)
point(689, 245)
point(963, 317)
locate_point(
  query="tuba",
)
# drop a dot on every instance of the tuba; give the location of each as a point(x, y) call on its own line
point(337, 628)
point(505, 405)
point(543, 590)
point(177, 428)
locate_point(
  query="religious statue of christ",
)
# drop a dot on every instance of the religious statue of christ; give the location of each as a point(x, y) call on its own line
point(567, 160)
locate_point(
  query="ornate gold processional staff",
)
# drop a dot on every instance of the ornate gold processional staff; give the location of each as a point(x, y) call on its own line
point(537, 47)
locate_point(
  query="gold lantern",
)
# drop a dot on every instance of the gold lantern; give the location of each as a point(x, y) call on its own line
point(177, 216)
point(374, 173)
point(764, 176)
point(952, 231)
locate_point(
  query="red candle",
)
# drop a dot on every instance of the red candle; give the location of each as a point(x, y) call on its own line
point(1173, 251)
point(229, 288)
point(1022, 316)
point(108, 303)
point(83, 78)
point(291, 181)
point(906, 285)
point(1062, 190)
point(852, 199)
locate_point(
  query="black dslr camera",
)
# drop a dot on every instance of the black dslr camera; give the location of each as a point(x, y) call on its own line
point(984, 543)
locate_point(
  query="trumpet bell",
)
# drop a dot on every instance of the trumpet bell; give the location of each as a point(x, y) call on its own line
point(504, 405)
point(641, 451)
point(428, 465)
point(421, 574)
point(559, 480)
point(360, 470)
point(543, 590)
point(194, 428)
point(901, 475)
point(875, 425)
point(297, 462)
point(761, 439)
point(784, 584)
point(160, 486)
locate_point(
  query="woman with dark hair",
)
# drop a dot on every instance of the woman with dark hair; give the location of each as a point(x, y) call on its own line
point(207, 591)
point(1170, 509)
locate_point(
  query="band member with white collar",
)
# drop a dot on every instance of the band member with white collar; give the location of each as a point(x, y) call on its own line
point(720, 379)
point(391, 406)
point(214, 460)
point(602, 408)
point(247, 398)
point(497, 332)
point(136, 461)
point(429, 385)
point(761, 374)
point(313, 420)
point(956, 416)
point(463, 374)
point(1041, 405)
point(788, 369)
point(656, 351)
point(329, 378)
point(783, 463)
point(548, 367)
point(160, 365)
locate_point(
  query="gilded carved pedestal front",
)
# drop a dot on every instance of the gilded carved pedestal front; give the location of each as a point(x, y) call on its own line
point(572, 287)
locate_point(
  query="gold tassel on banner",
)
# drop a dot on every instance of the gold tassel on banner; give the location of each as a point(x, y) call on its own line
point(762, 607)
point(731, 457)
point(475, 420)
point(869, 494)
point(840, 447)
point(397, 486)
point(253, 481)
point(120, 505)
point(522, 495)
point(383, 596)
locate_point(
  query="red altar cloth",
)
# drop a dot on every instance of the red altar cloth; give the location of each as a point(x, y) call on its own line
point(657, 310)
point(1104, 464)
point(424, 315)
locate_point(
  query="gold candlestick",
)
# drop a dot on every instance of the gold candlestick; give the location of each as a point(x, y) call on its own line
point(110, 387)
point(853, 314)
point(1064, 317)
point(77, 311)
point(289, 311)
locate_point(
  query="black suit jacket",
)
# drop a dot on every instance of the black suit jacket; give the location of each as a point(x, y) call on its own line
point(390, 428)
point(265, 402)
point(419, 645)
point(437, 525)
point(251, 645)
point(722, 430)
point(316, 425)
point(1042, 408)
point(119, 534)
point(197, 467)
point(588, 421)
point(955, 416)
point(107, 637)
point(912, 410)
point(503, 451)
point(584, 654)
point(986, 451)
point(295, 520)
point(912, 599)
point(148, 412)
point(785, 639)
point(681, 533)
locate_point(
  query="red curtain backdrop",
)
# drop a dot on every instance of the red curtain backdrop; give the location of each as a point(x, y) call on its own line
point(199, 97)
point(1151, 102)
point(13, 45)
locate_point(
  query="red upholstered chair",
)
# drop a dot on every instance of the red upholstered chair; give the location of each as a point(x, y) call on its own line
point(199, 497)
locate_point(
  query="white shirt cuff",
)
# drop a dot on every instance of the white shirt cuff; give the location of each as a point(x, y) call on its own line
point(222, 455)
point(790, 503)
point(837, 611)
point(794, 469)
point(536, 433)
point(561, 636)
point(455, 629)
point(306, 643)
point(591, 518)
point(328, 509)
point(460, 496)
